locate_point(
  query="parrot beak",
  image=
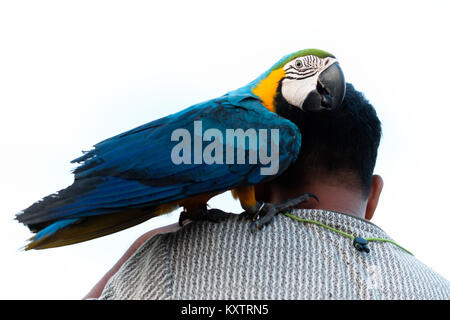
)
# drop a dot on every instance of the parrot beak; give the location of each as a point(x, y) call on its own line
point(330, 90)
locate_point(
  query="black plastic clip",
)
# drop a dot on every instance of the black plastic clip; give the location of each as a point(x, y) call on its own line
point(361, 244)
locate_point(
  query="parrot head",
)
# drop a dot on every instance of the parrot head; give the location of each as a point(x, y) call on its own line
point(310, 80)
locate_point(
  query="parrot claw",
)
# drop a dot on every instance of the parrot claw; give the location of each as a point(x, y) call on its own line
point(213, 215)
point(267, 211)
point(217, 215)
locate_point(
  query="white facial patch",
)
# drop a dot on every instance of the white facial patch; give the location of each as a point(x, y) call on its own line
point(295, 91)
point(301, 76)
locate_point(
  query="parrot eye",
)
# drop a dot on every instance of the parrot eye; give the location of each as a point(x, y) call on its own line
point(298, 64)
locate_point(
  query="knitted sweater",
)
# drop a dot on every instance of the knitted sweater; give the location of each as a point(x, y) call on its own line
point(287, 259)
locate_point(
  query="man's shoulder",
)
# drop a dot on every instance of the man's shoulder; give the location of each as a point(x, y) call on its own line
point(288, 259)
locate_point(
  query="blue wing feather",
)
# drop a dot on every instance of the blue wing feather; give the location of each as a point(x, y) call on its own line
point(134, 169)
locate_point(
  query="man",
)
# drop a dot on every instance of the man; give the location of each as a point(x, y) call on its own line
point(289, 259)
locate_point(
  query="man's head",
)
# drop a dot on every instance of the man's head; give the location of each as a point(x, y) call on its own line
point(338, 153)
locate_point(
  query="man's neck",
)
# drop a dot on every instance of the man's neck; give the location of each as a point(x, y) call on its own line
point(331, 198)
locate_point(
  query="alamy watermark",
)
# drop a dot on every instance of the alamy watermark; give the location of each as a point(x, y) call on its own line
point(251, 147)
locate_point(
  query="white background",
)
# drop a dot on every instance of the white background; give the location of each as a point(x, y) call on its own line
point(73, 73)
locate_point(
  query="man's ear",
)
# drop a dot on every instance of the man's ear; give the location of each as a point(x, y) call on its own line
point(374, 196)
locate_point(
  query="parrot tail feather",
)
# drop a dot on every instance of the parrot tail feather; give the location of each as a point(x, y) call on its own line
point(70, 231)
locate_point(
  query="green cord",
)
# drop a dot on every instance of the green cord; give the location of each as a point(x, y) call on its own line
point(390, 241)
point(342, 232)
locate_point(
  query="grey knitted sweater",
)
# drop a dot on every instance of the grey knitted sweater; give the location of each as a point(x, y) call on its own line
point(286, 260)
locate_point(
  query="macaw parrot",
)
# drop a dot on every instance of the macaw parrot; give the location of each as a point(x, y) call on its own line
point(132, 177)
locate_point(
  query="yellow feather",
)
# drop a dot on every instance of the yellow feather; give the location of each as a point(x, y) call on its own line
point(246, 196)
point(97, 226)
point(267, 88)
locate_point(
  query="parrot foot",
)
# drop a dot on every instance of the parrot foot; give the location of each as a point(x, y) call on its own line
point(267, 211)
point(203, 214)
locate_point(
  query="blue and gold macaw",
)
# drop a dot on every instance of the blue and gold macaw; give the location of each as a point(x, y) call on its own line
point(132, 177)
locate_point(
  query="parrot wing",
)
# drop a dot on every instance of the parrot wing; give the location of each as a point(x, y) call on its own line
point(135, 169)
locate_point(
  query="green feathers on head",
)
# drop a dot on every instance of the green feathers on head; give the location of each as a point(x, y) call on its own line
point(305, 52)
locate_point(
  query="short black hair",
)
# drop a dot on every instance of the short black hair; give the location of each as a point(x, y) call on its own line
point(342, 143)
